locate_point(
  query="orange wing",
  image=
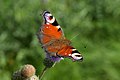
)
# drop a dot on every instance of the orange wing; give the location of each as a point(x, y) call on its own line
point(71, 52)
point(50, 33)
point(53, 41)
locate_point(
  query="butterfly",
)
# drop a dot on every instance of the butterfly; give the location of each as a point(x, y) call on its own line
point(53, 41)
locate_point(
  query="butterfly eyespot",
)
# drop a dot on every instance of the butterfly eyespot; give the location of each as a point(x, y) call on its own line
point(59, 29)
point(51, 17)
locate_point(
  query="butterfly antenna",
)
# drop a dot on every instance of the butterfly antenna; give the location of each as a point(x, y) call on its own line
point(75, 36)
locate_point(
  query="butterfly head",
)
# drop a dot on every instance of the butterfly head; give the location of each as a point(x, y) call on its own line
point(76, 56)
point(48, 17)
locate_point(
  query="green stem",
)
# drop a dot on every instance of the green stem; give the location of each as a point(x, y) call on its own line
point(43, 72)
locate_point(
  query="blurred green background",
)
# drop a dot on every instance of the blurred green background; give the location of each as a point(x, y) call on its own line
point(96, 21)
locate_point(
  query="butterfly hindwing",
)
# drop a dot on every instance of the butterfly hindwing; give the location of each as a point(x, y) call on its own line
point(70, 52)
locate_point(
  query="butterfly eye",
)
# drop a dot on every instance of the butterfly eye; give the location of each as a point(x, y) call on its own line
point(51, 17)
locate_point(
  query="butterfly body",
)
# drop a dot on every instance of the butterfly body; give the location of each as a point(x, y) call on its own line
point(53, 41)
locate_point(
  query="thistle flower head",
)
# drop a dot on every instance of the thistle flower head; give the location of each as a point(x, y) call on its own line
point(48, 62)
point(27, 71)
point(54, 58)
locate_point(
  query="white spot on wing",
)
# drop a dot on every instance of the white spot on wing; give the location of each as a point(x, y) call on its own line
point(48, 14)
point(69, 54)
point(58, 26)
point(73, 49)
point(47, 23)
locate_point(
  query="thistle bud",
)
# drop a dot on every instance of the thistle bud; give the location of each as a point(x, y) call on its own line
point(28, 71)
